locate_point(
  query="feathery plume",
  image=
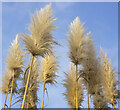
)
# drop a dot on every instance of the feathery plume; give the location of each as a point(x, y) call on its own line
point(109, 80)
point(92, 72)
point(40, 40)
point(76, 47)
point(15, 56)
point(14, 64)
point(99, 99)
point(48, 68)
point(69, 84)
point(76, 41)
point(91, 66)
point(6, 82)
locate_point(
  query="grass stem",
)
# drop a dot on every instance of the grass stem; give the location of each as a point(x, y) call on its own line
point(27, 100)
point(5, 100)
point(114, 106)
point(88, 93)
point(76, 89)
point(11, 90)
point(27, 82)
point(43, 95)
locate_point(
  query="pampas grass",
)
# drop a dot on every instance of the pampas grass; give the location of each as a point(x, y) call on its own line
point(48, 68)
point(15, 57)
point(87, 70)
point(40, 41)
point(14, 64)
point(69, 84)
point(91, 69)
point(76, 41)
point(99, 99)
point(31, 96)
point(109, 80)
point(6, 85)
point(91, 66)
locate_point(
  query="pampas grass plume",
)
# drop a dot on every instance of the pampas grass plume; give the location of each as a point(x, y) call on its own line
point(14, 63)
point(40, 40)
point(15, 56)
point(48, 68)
point(69, 84)
point(76, 41)
point(109, 79)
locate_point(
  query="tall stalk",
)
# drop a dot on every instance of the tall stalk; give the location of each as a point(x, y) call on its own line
point(88, 93)
point(43, 95)
point(76, 89)
point(88, 101)
point(5, 100)
point(11, 90)
point(114, 106)
point(27, 82)
point(27, 100)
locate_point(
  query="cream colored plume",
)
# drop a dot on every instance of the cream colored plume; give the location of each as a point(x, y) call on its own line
point(69, 84)
point(40, 41)
point(6, 82)
point(15, 56)
point(92, 72)
point(14, 64)
point(109, 80)
point(48, 68)
point(91, 66)
point(99, 99)
point(76, 41)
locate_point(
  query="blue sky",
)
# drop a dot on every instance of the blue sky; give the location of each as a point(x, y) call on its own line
point(99, 18)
